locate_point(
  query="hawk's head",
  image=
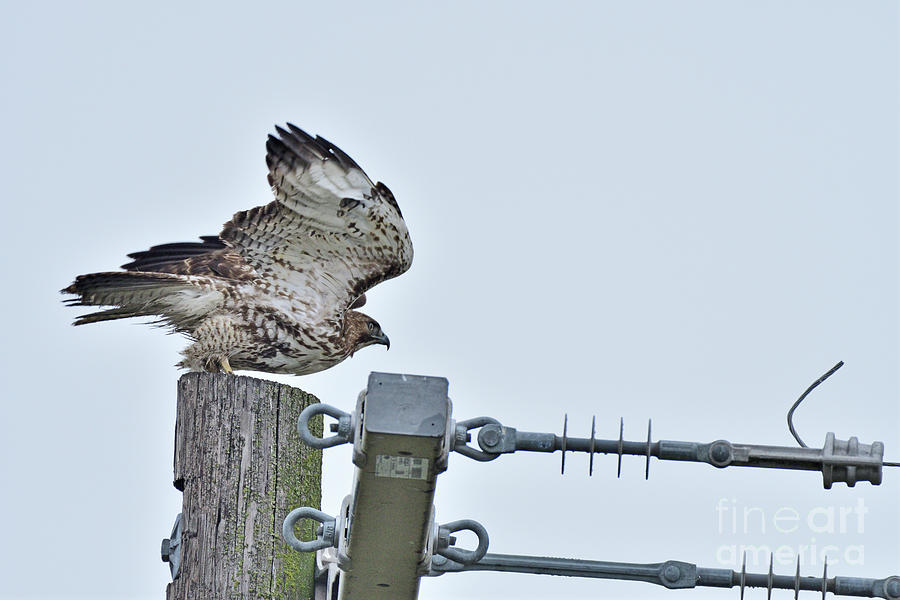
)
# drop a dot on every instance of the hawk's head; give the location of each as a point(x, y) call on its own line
point(361, 330)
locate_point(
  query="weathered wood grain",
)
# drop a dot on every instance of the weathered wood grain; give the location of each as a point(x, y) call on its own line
point(242, 468)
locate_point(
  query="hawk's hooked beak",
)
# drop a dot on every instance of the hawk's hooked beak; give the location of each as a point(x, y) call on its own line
point(382, 339)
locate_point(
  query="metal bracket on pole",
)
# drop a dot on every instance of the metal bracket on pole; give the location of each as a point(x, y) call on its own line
point(170, 549)
point(400, 445)
point(325, 535)
point(385, 537)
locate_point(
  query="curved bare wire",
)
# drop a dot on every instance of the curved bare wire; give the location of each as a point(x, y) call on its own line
point(790, 415)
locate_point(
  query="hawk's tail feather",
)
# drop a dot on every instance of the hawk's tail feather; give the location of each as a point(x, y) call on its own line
point(179, 300)
point(105, 315)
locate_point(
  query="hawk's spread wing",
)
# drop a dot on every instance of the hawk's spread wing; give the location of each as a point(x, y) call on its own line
point(330, 234)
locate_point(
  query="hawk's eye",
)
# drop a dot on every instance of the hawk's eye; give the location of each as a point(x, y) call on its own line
point(371, 327)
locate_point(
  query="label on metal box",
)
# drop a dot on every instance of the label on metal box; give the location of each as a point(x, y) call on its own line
point(401, 467)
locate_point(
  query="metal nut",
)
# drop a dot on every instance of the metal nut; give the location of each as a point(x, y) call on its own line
point(720, 453)
point(892, 587)
point(671, 573)
point(490, 437)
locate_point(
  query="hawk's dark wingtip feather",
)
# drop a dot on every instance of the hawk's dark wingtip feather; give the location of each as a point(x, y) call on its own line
point(290, 153)
point(300, 133)
point(301, 144)
point(166, 254)
point(289, 146)
point(342, 157)
point(282, 133)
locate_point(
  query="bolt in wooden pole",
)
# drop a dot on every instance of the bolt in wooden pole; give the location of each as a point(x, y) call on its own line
point(242, 468)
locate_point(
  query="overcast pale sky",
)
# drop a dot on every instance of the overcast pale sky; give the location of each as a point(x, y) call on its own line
point(679, 210)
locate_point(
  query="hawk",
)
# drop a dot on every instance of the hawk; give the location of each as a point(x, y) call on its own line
point(276, 290)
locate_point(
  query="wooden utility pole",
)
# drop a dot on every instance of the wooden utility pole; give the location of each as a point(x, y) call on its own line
point(242, 468)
